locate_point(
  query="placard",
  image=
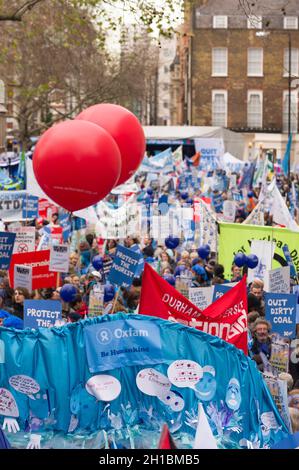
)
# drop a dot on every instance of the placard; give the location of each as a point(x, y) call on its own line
point(59, 258)
point(22, 276)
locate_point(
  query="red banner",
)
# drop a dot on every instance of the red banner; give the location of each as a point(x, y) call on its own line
point(226, 317)
point(39, 260)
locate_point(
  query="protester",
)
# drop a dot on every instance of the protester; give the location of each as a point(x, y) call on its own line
point(261, 342)
point(20, 294)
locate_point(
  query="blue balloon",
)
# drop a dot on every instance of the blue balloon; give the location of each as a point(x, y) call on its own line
point(109, 292)
point(189, 200)
point(184, 195)
point(68, 292)
point(172, 242)
point(203, 251)
point(97, 262)
point(170, 279)
point(250, 194)
point(150, 191)
point(240, 259)
point(252, 261)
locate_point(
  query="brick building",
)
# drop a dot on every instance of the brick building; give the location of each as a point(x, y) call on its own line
point(239, 74)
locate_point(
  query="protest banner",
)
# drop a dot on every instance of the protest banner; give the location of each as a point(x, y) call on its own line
point(41, 313)
point(220, 289)
point(279, 392)
point(30, 207)
point(277, 280)
point(288, 258)
point(264, 251)
point(225, 318)
point(59, 258)
point(281, 313)
point(56, 235)
point(7, 240)
point(25, 240)
point(96, 301)
point(279, 359)
point(229, 211)
point(39, 261)
point(11, 203)
point(201, 296)
point(211, 151)
point(124, 267)
point(238, 237)
point(296, 292)
point(22, 277)
point(135, 347)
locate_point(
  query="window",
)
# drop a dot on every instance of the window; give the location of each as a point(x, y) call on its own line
point(219, 21)
point(255, 62)
point(2, 92)
point(294, 111)
point(254, 22)
point(197, 17)
point(219, 62)
point(165, 105)
point(290, 22)
point(294, 62)
point(255, 109)
point(165, 69)
point(219, 108)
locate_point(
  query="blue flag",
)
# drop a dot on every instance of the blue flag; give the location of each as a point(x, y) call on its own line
point(246, 181)
point(287, 156)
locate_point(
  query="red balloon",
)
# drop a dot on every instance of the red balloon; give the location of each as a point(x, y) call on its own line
point(76, 163)
point(125, 129)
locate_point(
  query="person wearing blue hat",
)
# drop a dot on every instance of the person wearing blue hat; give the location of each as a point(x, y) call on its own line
point(200, 278)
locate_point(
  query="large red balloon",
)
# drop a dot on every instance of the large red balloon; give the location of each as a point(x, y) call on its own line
point(76, 163)
point(125, 129)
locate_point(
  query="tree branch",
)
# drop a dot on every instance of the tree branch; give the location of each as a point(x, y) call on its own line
point(18, 14)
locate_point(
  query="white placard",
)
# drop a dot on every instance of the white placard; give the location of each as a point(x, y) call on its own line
point(59, 258)
point(229, 211)
point(278, 280)
point(23, 276)
point(103, 387)
point(264, 250)
point(152, 383)
point(184, 373)
point(25, 240)
point(201, 296)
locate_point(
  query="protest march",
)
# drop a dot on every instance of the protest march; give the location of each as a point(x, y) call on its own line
point(148, 300)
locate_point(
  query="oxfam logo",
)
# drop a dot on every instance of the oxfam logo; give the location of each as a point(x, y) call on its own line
point(104, 336)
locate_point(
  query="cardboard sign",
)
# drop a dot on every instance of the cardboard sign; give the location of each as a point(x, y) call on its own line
point(22, 277)
point(59, 258)
point(201, 296)
point(229, 211)
point(25, 240)
point(278, 280)
point(6, 246)
point(41, 313)
point(39, 261)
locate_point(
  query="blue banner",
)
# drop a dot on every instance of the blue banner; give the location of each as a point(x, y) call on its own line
point(290, 442)
point(64, 220)
point(6, 246)
point(217, 201)
point(125, 266)
point(59, 398)
point(288, 257)
point(122, 343)
point(41, 313)
point(30, 207)
point(219, 290)
point(281, 313)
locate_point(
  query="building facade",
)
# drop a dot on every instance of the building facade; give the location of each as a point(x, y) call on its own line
point(244, 67)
